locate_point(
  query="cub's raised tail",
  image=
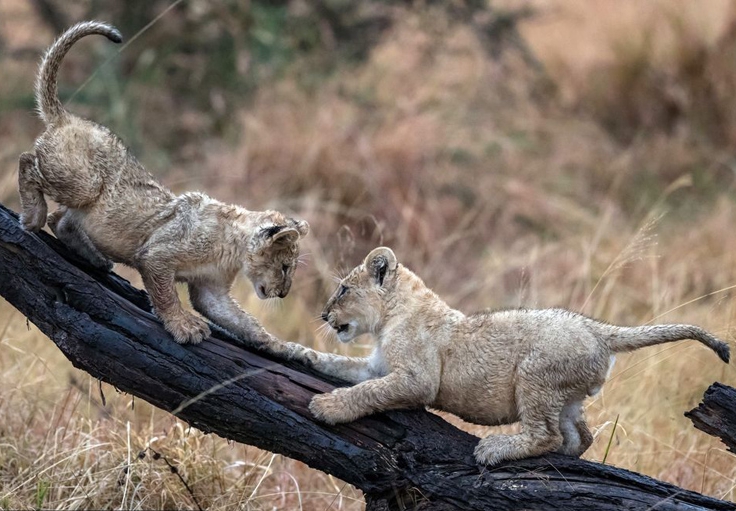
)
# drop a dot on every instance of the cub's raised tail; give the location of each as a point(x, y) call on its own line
point(47, 94)
point(632, 338)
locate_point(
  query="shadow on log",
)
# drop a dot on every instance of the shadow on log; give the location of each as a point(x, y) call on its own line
point(400, 460)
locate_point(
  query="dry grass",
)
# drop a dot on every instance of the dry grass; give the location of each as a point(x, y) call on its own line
point(435, 149)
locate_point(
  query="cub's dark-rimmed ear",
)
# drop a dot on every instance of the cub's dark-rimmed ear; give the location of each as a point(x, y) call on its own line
point(302, 226)
point(380, 262)
point(268, 233)
point(285, 237)
point(279, 236)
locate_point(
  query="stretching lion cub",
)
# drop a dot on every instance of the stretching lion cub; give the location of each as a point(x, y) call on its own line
point(533, 366)
point(111, 209)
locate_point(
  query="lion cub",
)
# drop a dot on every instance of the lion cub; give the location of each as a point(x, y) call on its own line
point(111, 209)
point(533, 366)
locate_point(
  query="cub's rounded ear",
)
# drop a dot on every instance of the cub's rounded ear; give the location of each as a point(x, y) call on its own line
point(300, 225)
point(279, 236)
point(285, 237)
point(379, 262)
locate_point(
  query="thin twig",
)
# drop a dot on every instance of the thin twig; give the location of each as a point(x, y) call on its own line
point(174, 470)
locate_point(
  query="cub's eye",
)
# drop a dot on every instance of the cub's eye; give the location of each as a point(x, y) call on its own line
point(343, 290)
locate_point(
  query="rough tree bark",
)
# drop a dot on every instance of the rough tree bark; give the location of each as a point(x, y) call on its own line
point(400, 460)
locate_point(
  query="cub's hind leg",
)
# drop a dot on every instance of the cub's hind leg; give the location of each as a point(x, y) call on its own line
point(575, 433)
point(65, 224)
point(32, 202)
point(540, 431)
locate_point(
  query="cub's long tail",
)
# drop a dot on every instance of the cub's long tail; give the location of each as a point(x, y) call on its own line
point(47, 93)
point(632, 338)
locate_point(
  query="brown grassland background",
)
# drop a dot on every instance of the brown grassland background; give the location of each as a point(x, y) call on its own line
point(605, 184)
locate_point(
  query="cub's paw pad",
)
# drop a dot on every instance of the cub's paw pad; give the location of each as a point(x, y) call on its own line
point(329, 408)
point(188, 329)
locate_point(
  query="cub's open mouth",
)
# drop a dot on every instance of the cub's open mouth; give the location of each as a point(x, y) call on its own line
point(341, 328)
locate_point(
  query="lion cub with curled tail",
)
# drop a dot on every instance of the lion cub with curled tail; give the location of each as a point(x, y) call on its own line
point(111, 209)
point(533, 366)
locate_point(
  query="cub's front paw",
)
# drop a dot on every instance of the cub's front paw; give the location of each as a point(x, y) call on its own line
point(307, 356)
point(33, 219)
point(331, 408)
point(188, 329)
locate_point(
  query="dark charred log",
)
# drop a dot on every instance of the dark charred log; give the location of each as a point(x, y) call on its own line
point(400, 460)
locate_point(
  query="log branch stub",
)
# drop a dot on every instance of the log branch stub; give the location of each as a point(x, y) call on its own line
point(716, 415)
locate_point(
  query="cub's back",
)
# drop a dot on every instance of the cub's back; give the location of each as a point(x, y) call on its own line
point(86, 151)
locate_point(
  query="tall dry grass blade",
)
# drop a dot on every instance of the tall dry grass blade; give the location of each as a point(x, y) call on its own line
point(338, 494)
point(633, 251)
point(127, 466)
point(643, 237)
point(701, 297)
point(260, 481)
point(298, 490)
point(664, 500)
point(7, 324)
point(217, 387)
point(610, 440)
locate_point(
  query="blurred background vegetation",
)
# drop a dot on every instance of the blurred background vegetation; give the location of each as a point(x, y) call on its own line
point(512, 152)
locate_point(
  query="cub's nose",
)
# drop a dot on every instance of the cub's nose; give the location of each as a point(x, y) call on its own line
point(282, 294)
point(324, 316)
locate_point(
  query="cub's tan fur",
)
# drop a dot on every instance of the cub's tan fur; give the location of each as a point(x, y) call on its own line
point(111, 209)
point(533, 366)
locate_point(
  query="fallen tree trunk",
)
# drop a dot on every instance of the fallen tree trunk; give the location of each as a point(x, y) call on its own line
point(716, 415)
point(400, 460)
